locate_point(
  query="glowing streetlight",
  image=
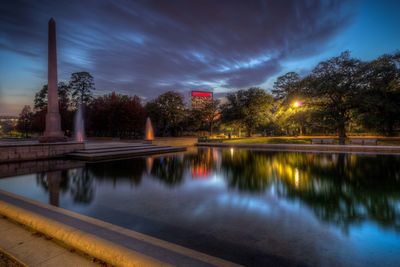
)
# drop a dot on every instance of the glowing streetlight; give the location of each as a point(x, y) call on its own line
point(297, 104)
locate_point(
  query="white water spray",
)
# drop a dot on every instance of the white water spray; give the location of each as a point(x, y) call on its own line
point(79, 124)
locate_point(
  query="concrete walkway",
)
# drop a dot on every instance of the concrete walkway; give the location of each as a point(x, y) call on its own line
point(34, 249)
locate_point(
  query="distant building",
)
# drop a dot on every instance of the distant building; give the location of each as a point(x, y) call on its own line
point(198, 98)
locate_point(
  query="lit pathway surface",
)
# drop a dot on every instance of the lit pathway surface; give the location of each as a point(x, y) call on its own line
point(34, 249)
point(159, 250)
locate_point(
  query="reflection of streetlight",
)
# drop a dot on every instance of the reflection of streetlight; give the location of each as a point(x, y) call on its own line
point(296, 177)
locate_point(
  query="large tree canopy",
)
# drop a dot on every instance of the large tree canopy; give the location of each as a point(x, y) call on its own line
point(167, 112)
point(333, 86)
point(116, 115)
point(380, 98)
point(286, 86)
point(251, 108)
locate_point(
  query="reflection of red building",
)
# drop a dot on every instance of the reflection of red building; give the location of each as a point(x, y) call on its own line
point(198, 98)
point(207, 162)
point(200, 172)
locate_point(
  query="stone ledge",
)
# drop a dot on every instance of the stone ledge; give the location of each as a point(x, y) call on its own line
point(84, 242)
point(364, 149)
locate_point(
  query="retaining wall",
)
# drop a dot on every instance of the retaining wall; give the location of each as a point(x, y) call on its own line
point(175, 141)
point(34, 151)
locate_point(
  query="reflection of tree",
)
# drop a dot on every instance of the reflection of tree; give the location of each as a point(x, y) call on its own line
point(246, 170)
point(41, 179)
point(351, 189)
point(168, 169)
point(82, 186)
point(130, 169)
point(339, 188)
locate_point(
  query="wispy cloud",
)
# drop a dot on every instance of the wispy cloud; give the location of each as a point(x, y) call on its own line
point(148, 47)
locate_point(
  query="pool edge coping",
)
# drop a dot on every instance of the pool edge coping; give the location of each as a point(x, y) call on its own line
point(77, 239)
point(355, 149)
point(57, 230)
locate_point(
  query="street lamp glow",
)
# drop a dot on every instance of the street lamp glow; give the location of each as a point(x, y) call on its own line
point(296, 104)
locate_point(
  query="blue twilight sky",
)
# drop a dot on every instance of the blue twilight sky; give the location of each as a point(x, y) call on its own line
point(152, 46)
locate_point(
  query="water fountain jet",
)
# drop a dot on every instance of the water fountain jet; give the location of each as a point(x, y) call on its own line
point(79, 125)
point(149, 134)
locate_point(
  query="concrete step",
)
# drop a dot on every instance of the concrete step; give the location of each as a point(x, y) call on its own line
point(111, 149)
point(124, 153)
point(117, 152)
point(118, 145)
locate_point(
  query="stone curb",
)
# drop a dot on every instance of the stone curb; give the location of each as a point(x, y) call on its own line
point(362, 149)
point(84, 242)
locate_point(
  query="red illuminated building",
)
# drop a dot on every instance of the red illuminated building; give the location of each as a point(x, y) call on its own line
point(198, 98)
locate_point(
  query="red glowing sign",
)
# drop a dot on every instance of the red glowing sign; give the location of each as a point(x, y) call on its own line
point(202, 94)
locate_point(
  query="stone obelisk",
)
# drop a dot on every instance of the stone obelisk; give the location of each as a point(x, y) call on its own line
point(53, 131)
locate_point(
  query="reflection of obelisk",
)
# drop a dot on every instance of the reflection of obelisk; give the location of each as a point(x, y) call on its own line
point(53, 131)
point(53, 181)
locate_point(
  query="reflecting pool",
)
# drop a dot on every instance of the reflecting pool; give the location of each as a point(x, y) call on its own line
point(251, 207)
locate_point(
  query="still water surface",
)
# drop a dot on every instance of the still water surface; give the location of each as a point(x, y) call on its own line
point(252, 207)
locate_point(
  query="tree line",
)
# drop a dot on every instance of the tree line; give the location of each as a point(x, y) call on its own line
point(340, 95)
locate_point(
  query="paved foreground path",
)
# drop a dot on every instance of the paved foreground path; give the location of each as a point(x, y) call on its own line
point(34, 249)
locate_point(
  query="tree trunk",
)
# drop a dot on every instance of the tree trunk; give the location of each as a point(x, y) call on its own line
point(248, 132)
point(303, 130)
point(342, 133)
point(388, 129)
